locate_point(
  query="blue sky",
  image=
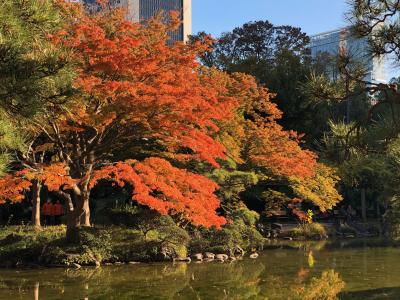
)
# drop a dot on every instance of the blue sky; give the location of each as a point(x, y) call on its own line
point(313, 16)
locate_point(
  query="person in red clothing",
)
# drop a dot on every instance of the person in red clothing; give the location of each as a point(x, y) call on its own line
point(47, 212)
point(58, 212)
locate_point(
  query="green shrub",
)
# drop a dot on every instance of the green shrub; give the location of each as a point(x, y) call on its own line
point(309, 231)
point(138, 218)
point(163, 243)
point(21, 245)
point(241, 232)
point(141, 235)
point(246, 216)
point(53, 255)
point(95, 244)
point(392, 219)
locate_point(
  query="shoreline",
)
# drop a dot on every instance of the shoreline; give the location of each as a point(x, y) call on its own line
point(20, 260)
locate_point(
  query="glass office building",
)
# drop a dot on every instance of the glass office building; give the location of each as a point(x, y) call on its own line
point(333, 42)
point(142, 10)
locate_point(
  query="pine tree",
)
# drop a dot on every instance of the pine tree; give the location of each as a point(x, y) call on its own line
point(34, 76)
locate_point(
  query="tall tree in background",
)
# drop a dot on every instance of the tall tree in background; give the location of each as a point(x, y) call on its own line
point(279, 57)
point(264, 159)
point(379, 22)
point(366, 148)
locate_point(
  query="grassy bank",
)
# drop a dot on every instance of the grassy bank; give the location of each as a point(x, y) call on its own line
point(22, 246)
point(131, 236)
point(309, 231)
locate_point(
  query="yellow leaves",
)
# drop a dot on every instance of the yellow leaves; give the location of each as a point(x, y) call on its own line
point(274, 149)
point(310, 259)
point(319, 189)
point(328, 286)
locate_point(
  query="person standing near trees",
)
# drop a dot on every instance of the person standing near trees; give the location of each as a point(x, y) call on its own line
point(47, 212)
point(58, 212)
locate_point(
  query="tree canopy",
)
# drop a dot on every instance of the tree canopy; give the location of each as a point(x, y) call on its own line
point(141, 112)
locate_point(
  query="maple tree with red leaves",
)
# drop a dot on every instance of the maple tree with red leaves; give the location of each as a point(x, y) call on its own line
point(53, 176)
point(135, 93)
point(187, 197)
point(253, 135)
point(261, 147)
point(12, 187)
point(141, 108)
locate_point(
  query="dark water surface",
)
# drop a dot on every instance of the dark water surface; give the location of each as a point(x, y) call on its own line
point(313, 271)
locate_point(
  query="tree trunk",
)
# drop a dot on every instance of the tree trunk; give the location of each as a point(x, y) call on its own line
point(73, 217)
point(85, 217)
point(378, 210)
point(78, 215)
point(363, 205)
point(36, 188)
point(73, 224)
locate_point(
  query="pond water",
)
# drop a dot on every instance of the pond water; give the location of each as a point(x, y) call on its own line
point(310, 271)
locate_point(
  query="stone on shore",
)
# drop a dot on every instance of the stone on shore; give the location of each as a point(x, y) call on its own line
point(254, 255)
point(209, 255)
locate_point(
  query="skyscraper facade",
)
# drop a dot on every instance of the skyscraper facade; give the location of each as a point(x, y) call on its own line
point(333, 42)
point(142, 10)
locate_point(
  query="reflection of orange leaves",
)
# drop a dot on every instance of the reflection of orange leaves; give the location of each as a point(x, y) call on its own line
point(251, 283)
point(302, 274)
point(326, 286)
point(168, 190)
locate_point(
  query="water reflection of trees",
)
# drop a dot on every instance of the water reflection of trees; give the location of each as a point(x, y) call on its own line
point(328, 287)
point(158, 282)
point(295, 271)
point(239, 280)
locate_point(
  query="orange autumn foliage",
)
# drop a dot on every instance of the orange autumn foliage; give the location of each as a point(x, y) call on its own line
point(136, 96)
point(255, 137)
point(131, 76)
point(156, 184)
point(12, 188)
point(279, 152)
point(273, 148)
point(257, 143)
point(54, 176)
point(168, 190)
point(139, 97)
